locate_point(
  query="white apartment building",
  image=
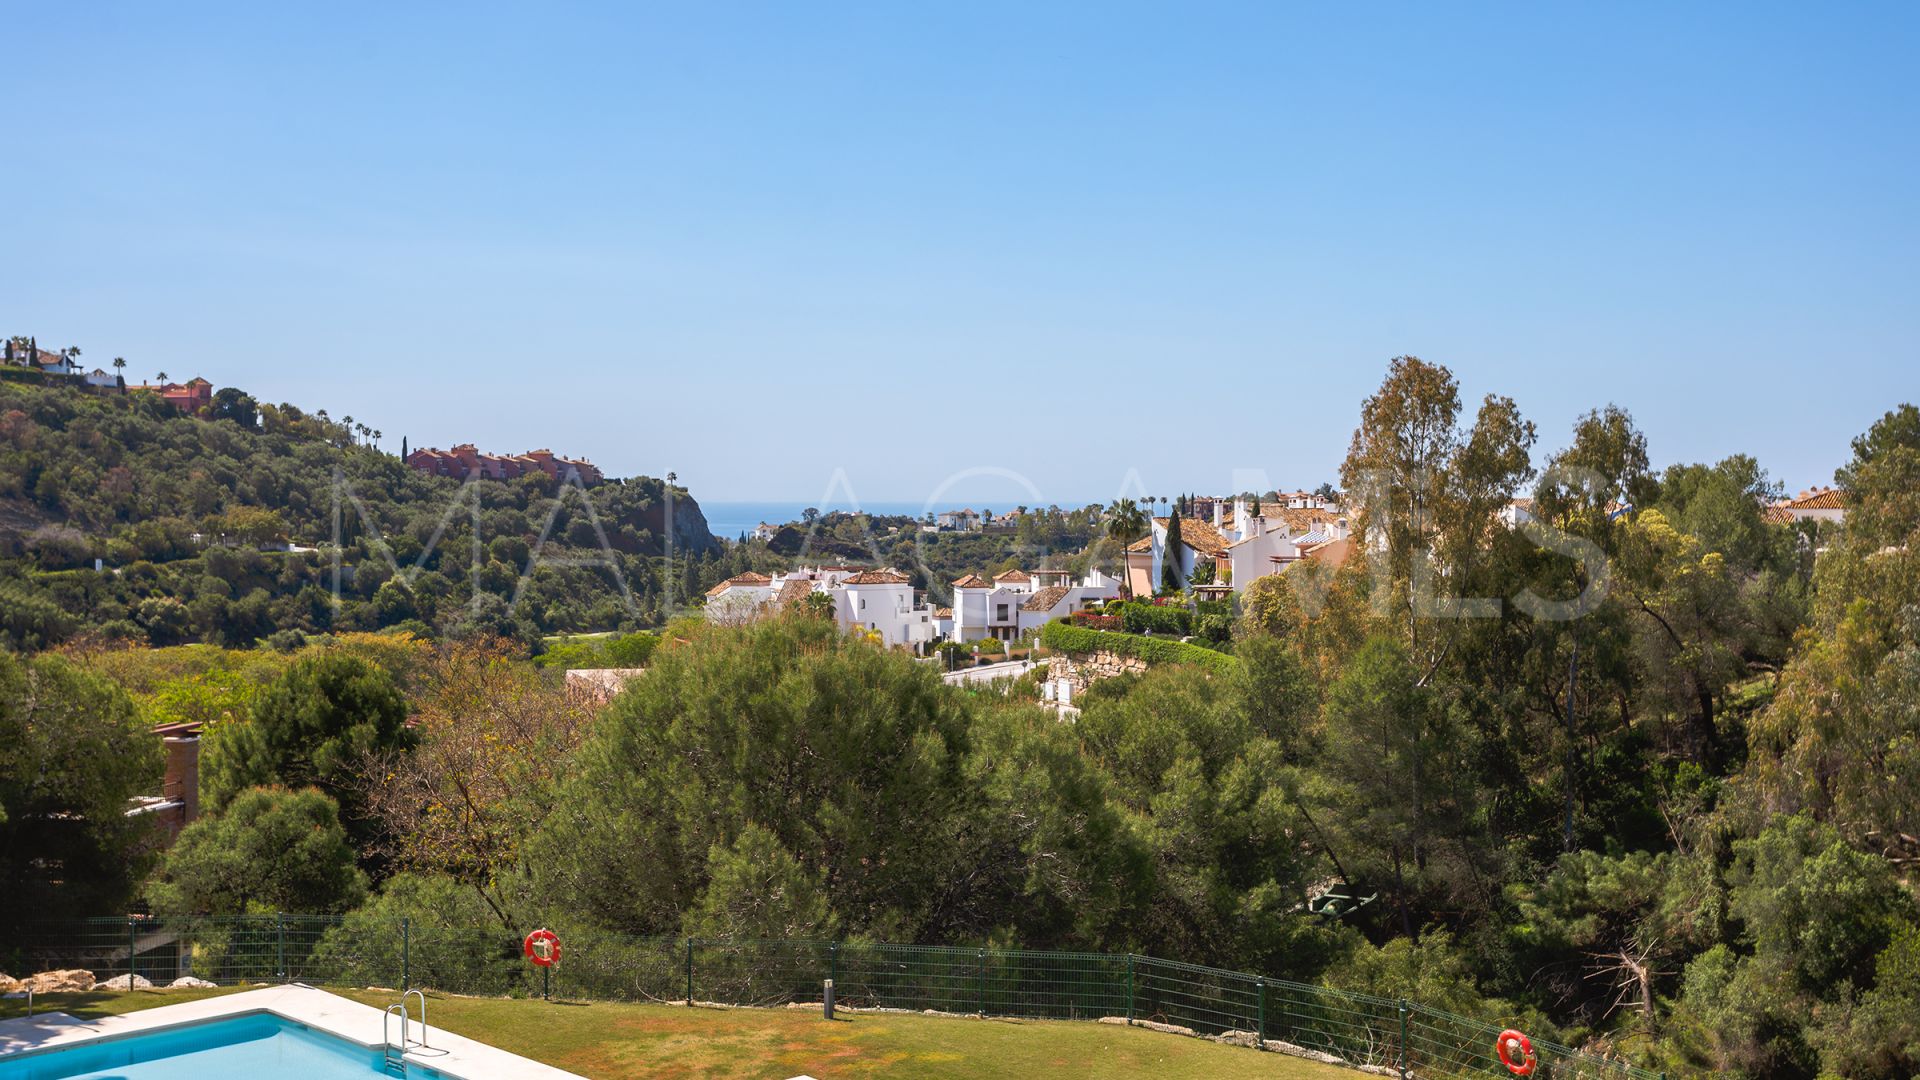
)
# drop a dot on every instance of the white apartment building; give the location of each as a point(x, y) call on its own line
point(1016, 602)
point(1242, 544)
point(879, 601)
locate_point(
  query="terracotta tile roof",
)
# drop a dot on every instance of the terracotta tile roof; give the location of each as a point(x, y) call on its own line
point(1045, 598)
point(1145, 543)
point(943, 613)
point(1818, 499)
point(793, 592)
point(972, 581)
point(748, 578)
point(1777, 515)
point(1302, 519)
point(1012, 575)
point(1200, 535)
point(877, 577)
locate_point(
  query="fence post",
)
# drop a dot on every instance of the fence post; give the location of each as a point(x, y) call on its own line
point(833, 961)
point(983, 983)
point(689, 973)
point(280, 944)
point(1260, 1032)
point(130, 950)
point(1129, 989)
point(1403, 1039)
point(406, 954)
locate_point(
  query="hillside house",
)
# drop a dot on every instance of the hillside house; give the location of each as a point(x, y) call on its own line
point(29, 354)
point(1815, 504)
point(189, 397)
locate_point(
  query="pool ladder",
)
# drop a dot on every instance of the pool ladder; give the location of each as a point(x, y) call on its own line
point(396, 1056)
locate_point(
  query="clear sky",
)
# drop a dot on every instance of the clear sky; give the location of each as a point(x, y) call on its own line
point(759, 244)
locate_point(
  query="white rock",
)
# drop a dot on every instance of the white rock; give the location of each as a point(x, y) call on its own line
point(121, 982)
point(188, 980)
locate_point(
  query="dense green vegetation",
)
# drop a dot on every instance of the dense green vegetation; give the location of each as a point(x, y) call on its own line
point(193, 517)
point(1652, 791)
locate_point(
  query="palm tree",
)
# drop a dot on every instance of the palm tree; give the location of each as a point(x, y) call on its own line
point(160, 377)
point(376, 440)
point(1126, 521)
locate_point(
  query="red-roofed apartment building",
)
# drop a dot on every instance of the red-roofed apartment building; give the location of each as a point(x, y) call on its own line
point(189, 397)
point(467, 460)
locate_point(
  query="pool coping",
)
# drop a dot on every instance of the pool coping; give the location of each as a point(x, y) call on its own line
point(453, 1056)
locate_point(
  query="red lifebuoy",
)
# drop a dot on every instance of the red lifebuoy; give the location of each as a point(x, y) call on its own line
point(1516, 1052)
point(543, 947)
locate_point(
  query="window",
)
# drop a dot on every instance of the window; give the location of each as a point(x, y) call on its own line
point(863, 603)
point(1000, 611)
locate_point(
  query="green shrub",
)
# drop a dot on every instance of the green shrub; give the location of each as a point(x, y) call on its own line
point(1138, 618)
point(1214, 628)
point(1064, 637)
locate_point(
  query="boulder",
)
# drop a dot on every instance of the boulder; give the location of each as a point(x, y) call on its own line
point(125, 982)
point(188, 980)
point(68, 981)
point(9, 985)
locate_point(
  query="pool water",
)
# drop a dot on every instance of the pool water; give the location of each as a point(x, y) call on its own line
point(243, 1047)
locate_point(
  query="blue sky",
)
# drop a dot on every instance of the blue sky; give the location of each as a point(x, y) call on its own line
point(759, 244)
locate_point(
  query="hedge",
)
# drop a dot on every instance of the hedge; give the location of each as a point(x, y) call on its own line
point(1094, 620)
point(1063, 637)
point(1140, 618)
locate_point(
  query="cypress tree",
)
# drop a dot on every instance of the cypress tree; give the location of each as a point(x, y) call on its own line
point(1170, 558)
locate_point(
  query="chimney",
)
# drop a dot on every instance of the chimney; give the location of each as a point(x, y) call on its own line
point(1218, 508)
point(182, 777)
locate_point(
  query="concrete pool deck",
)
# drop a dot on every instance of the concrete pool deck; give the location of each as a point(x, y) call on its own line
point(447, 1053)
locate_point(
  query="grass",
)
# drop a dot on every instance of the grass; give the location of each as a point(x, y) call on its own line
point(671, 1042)
point(97, 1003)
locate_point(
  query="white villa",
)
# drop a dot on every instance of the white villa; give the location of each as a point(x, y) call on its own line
point(46, 361)
point(957, 521)
point(1016, 601)
point(1814, 504)
point(1242, 543)
point(881, 601)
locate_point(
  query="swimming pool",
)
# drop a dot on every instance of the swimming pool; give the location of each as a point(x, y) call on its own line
point(251, 1045)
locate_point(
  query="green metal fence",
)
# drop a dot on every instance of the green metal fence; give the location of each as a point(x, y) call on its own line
point(1405, 1037)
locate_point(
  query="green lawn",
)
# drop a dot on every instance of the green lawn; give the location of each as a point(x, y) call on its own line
point(106, 1002)
point(614, 1041)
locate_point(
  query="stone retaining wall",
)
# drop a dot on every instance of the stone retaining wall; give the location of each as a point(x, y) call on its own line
point(1083, 669)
